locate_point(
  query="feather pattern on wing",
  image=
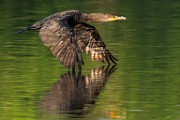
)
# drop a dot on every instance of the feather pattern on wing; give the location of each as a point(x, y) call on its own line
point(58, 35)
point(89, 40)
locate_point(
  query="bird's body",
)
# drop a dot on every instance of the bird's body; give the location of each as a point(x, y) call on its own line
point(67, 34)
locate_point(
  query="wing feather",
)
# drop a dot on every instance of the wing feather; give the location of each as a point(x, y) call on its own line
point(89, 41)
point(59, 38)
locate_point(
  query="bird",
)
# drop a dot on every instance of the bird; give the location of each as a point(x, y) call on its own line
point(68, 33)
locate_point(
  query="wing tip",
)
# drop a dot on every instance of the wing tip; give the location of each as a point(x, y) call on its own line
point(113, 59)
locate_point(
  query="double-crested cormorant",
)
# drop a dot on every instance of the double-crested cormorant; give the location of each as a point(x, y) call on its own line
point(67, 34)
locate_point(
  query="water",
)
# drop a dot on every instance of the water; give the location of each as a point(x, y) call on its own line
point(143, 86)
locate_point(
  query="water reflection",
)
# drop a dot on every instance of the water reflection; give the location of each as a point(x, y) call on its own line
point(75, 94)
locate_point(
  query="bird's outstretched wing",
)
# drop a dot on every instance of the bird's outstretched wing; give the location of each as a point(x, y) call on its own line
point(58, 35)
point(89, 40)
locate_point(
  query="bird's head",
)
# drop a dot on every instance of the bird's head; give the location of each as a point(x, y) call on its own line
point(102, 17)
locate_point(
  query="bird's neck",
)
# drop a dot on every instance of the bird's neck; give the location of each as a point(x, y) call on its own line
point(90, 18)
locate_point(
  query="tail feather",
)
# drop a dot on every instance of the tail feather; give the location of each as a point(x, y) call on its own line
point(21, 31)
point(27, 29)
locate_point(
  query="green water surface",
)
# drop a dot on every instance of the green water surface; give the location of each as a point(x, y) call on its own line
point(145, 85)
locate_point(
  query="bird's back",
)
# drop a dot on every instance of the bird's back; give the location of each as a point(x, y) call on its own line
point(75, 13)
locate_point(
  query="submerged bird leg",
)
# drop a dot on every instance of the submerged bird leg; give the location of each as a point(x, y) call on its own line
point(79, 61)
point(109, 63)
point(79, 76)
point(73, 69)
point(79, 66)
point(73, 72)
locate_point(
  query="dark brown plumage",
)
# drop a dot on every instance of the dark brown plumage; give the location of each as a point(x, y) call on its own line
point(67, 34)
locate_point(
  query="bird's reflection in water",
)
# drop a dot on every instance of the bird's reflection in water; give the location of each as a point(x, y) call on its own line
point(76, 95)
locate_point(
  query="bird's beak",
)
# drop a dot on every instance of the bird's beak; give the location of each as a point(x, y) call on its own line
point(118, 18)
point(121, 18)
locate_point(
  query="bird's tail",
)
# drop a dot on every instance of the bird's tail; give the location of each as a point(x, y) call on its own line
point(27, 29)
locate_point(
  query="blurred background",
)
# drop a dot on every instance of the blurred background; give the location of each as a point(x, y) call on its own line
point(145, 85)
